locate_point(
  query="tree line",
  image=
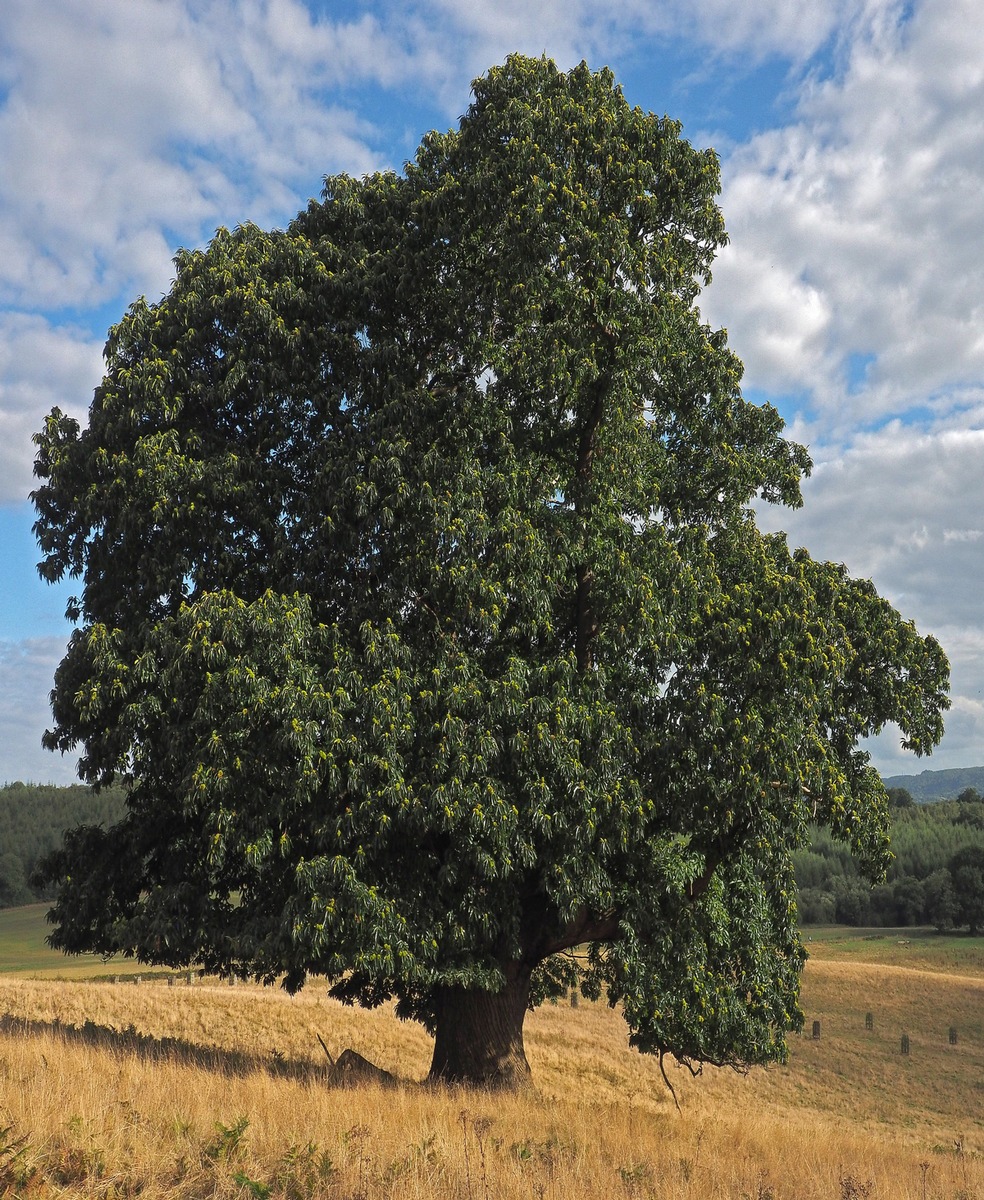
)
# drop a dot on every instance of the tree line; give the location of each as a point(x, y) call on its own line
point(33, 818)
point(936, 876)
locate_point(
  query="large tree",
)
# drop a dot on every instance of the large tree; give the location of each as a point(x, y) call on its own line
point(424, 613)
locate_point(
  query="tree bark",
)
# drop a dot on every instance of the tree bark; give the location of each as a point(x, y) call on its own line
point(479, 1038)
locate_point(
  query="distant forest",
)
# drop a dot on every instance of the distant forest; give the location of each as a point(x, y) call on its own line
point(936, 878)
point(33, 818)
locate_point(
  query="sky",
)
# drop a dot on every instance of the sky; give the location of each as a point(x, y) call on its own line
point(851, 137)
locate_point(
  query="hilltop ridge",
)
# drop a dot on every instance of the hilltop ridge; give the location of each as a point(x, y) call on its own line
point(938, 785)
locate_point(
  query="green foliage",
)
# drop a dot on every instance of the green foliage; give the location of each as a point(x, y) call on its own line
point(940, 900)
point(423, 609)
point(252, 1187)
point(15, 1172)
point(967, 872)
point(305, 1171)
point(33, 818)
point(926, 840)
point(900, 797)
point(227, 1141)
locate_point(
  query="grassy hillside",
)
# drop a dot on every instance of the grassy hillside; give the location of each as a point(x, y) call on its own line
point(22, 933)
point(23, 950)
point(201, 1091)
point(914, 949)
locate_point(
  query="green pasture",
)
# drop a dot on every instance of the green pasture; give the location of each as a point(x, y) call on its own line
point(23, 950)
point(921, 949)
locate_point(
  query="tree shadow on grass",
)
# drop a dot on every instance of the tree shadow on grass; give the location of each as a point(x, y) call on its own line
point(131, 1041)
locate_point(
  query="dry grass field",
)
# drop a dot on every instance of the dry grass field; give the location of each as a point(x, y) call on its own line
point(119, 1090)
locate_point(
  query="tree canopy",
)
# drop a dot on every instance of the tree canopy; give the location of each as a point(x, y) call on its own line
point(424, 613)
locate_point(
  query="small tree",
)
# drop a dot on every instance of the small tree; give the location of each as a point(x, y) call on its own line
point(940, 900)
point(909, 898)
point(424, 611)
point(852, 902)
point(900, 797)
point(816, 907)
point(967, 873)
point(14, 888)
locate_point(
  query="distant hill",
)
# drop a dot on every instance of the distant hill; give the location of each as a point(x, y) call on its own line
point(938, 785)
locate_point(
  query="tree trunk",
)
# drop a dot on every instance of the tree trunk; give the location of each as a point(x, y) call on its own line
point(480, 1035)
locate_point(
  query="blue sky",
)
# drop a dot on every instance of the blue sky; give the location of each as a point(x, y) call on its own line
point(852, 142)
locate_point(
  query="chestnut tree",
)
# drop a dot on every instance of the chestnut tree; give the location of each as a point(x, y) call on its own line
point(424, 614)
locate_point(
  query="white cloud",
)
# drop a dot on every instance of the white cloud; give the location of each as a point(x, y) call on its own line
point(856, 231)
point(26, 675)
point(964, 738)
point(40, 367)
point(129, 125)
point(571, 29)
point(756, 29)
point(449, 42)
point(905, 508)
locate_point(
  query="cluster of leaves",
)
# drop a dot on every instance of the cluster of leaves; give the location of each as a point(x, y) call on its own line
point(33, 819)
point(935, 877)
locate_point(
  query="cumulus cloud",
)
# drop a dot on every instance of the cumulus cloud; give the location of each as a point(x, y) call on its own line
point(571, 29)
point(449, 42)
point(40, 366)
point(130, 125)
point(27, 671)
point(855, 230)
point(905, 508)
point(852, 292)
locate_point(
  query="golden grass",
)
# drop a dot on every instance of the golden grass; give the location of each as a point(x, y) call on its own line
point(120, 1090)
